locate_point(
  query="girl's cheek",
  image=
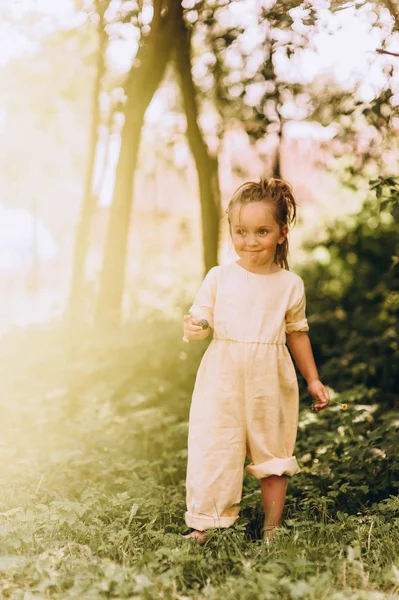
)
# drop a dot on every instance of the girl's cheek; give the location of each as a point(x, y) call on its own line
point(267, 243)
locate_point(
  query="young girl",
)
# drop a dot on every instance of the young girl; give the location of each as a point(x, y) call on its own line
point(245, 401)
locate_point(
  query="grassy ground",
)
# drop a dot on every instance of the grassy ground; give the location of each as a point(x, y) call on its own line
point(92, 470)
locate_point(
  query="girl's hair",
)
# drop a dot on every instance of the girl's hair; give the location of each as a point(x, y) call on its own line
point(278, 194)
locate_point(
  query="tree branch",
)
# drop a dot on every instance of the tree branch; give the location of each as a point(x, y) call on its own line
point(381, 51)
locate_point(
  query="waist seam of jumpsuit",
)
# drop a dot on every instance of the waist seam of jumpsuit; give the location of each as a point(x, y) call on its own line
point(248, 342)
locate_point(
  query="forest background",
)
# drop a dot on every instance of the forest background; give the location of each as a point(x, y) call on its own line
point(127, 126)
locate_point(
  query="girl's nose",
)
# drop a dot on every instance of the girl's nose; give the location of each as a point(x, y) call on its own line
point(252, 241)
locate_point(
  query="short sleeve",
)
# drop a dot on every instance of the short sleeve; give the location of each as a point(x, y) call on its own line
point(295, 317)
point(204, 301)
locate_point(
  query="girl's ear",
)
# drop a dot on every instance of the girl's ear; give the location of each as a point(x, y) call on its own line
point(283, 234)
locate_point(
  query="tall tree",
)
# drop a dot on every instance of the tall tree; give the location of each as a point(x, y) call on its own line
point(77, 296)
point(143, 80)
point(207, 165)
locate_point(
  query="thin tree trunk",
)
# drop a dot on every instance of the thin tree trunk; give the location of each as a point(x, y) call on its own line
point(143, 81)
point(277, 159)
point(207, 166)
point(77, 296)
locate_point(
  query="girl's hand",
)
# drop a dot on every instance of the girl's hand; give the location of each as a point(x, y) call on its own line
point(193, 331)
point(320, 393)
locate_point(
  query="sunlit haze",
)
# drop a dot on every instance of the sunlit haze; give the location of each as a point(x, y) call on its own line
point(42, 195)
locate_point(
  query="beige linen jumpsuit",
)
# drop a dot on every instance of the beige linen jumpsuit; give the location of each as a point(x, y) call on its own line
point(245, 400)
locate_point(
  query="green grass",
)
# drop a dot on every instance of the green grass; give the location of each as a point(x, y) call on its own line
point(92, 471)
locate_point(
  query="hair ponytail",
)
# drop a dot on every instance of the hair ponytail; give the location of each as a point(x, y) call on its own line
point(285, 213)
point(278, 193)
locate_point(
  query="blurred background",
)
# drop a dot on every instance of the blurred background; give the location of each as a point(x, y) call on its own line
point(127, 126)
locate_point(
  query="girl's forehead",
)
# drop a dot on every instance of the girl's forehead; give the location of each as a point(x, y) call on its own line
point(253, 214)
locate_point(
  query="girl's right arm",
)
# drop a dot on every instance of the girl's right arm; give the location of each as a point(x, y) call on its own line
point(202, 308)
point(193, 331)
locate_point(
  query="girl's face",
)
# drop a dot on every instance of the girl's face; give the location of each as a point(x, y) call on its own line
point(255, 233)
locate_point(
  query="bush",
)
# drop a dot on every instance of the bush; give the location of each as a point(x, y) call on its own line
point(353, 304)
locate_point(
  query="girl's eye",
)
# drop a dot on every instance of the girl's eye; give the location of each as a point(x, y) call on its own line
point(261, 231)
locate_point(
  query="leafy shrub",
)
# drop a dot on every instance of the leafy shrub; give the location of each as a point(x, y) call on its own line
point(353, 304)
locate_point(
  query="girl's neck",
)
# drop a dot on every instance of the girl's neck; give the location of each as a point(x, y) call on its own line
point(267, 269)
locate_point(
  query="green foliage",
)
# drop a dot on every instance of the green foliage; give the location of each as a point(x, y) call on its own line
point(243, 83)
point(353, 300)
point(92, 495)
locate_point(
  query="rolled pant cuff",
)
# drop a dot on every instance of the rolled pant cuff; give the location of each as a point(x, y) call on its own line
point(276, 466)
point(202, 522)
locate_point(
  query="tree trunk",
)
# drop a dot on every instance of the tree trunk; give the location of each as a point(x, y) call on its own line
point(207, 166)
point(77, 295)
point(144, 78)
point(277, 158)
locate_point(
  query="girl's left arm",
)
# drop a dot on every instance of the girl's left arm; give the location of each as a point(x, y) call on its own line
point(301, 349)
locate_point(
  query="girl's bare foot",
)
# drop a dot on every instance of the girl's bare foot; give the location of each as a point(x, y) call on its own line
point(199, 536)
point(269, 533)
